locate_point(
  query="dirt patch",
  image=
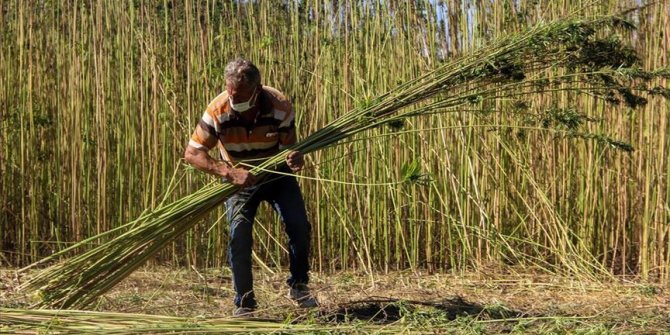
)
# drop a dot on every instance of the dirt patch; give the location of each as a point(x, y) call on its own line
point(504, 301)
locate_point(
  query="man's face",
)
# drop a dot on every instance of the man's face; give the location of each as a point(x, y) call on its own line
point(240, 93)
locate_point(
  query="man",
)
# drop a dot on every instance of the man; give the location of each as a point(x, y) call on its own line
point(249, 122)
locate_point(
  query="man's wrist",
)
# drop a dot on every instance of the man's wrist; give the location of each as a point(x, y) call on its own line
point(221, 170)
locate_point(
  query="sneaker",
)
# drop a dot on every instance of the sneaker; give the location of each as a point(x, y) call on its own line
point(300, 294)
point(244, 312)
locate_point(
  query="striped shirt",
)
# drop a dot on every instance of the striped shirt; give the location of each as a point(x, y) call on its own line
point(272, 129)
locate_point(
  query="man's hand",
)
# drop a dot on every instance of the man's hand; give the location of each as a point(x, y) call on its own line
point(295, 160)
point(240, 177)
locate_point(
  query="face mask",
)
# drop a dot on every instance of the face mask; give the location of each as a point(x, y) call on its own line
point(242, 106)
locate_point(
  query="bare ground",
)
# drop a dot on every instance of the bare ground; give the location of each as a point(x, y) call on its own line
point(474, 303)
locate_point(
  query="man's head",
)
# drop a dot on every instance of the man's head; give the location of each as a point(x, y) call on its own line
point(243, 83)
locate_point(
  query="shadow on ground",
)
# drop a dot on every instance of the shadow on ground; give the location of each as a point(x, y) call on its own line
point(387, 310)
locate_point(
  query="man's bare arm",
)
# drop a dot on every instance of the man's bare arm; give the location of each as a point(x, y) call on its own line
point(202, 161)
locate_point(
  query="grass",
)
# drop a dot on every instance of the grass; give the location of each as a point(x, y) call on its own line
point(495, 300)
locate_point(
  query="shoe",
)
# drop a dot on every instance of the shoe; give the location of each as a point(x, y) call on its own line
point(300, 294)
point(244, 312)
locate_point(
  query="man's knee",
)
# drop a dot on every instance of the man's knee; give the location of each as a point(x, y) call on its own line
point(298, 226)
point(240, 235)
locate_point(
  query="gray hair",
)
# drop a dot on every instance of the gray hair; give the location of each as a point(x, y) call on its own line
point(242, 73)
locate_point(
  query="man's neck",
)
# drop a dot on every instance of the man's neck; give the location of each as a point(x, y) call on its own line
point(249, 115)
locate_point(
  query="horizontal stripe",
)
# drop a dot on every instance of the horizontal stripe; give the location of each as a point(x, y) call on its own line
point(288, 121)
point(247, 134)
point(288, 127)
point(223, 96)
point(224, 117)
point(208, 120)
point(204, 126)
point(252, 153)
point(233, 123)
point(241, 139)
point(279, 114)
point(202, 137)
point(287, 138)
point(195, 144)
point(249, 146)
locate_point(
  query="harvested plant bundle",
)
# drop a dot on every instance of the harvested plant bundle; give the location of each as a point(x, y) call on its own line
point(566, 55)
point(87, 322)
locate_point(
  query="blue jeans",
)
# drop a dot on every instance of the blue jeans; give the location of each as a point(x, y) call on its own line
point(284, 195)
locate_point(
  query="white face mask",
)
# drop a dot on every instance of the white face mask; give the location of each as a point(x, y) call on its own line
point(242, 106)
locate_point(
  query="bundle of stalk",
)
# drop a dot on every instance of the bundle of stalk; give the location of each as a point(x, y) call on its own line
point(19, 321)
point(565, 55)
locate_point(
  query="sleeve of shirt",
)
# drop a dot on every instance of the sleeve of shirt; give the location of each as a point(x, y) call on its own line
point(286, 129)
point(204, 136)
